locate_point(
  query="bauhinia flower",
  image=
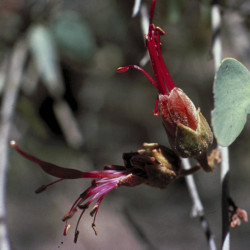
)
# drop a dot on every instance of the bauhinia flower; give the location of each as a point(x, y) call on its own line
point(188, 131)
point(154, 165)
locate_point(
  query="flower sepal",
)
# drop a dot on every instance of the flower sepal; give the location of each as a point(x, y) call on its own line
point(192, 143)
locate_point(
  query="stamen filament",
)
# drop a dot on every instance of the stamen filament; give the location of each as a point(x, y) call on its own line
point(124, 69)
point(44, 187)
point(164, 80)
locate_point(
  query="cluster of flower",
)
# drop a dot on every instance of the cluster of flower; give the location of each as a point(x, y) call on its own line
point(188, 132)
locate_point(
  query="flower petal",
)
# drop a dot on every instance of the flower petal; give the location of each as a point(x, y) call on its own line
point(182, 109)
point(49, 168)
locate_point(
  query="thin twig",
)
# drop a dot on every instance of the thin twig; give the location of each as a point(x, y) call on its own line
point(12, 86)
point(216, 38)
point(68, 123)
point(217, 55)
point(52, 79)
point(3, 69)
point(198, 210)
point(144, 27)
point(136, 7)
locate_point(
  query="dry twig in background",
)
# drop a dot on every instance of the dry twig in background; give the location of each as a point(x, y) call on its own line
point(11, 89)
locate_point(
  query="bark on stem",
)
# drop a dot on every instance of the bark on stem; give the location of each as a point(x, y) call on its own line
point(198, 210)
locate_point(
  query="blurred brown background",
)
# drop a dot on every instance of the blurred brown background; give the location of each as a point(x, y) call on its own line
point(74, 110)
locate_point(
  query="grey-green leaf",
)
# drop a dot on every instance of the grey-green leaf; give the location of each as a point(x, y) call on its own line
point(231, 101)
point(45, 55)
point(73, 36)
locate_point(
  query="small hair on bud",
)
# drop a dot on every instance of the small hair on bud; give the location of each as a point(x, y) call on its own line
point(122, 69)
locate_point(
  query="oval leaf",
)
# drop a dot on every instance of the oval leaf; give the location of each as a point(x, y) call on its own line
point(44, 52)
point(73, 36)
point(231, 101)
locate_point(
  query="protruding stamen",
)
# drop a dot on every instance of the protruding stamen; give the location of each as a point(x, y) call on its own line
point(161, 31)
point(93, 211)
point(126, 68)
point(76, 236)
point(94, 228)
point(77, 224)
point(41, 189)
point(13, 143)
point(122, 69)
point(66, 229)
point(155, 110)
point(69, 214)
point(44, 187)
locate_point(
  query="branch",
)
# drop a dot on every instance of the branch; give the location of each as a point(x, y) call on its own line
point(144, 28)
point(217, 52)
point(12, 86)
point(198, 210)
point(136, 7)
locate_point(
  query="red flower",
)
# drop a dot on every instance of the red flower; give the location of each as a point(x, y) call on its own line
point(110, 178)
point(187, 129)
point(155, 165)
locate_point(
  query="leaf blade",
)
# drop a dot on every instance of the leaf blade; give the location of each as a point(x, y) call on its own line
point(231, 100)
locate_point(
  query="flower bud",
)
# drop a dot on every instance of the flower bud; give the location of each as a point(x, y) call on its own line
point(188, 131)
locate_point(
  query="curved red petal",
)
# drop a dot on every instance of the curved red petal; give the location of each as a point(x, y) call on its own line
point(181, 109)
point(169, 125)
point(49, 168)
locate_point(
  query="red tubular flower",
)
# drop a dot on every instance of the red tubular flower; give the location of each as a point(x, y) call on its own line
point(104, 181)
point(187, 129)
point(155, 165)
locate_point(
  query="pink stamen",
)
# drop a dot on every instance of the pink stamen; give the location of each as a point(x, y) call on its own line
point(101, 188)
point(103, 174)
point(95, 211)
point(66, 229)
point(97, 192)
point(44, 187)
point(77, 224)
